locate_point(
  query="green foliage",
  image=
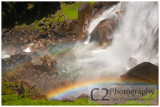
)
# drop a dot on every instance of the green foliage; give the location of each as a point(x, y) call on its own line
point(132, 103)
point(26, 12)
point(147, 99)
point(70, 10)
point(10, 98)
point(66, 11)
point(91, 2)
point(17, 100)
point(7, 88)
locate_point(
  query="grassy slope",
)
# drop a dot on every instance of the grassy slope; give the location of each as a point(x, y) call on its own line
point(17, 100)
point(10, 98)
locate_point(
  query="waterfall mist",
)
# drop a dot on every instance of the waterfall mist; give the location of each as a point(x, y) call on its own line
point(136, 37)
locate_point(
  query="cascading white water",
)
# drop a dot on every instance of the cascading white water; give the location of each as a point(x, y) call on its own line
point(135, 37)
point(109, 13)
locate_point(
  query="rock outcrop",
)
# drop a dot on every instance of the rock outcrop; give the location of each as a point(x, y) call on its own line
point(103, 32)
point(9, 63)
point(86, 13)
point(145, 71)
point(83, 96)
point(84, 18)
point(42, 71)
point(50, 63)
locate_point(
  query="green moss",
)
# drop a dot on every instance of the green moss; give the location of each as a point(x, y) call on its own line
point(70, 10)
point(91, 2)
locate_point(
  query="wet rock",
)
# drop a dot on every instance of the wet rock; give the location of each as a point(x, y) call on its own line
point(37, 61)
point(98, 9)
point(50, 63)
point(103, 32)
point(84, 19)
point(97, 13)
point(9, 63)
point(45, 64)
point(119, 13)
point(53, 76)
point(65, 83)
point(19, 57)
point(145, 71)
point(83, 96)
point(35, 47)
point(106, 5)
point(41, 45)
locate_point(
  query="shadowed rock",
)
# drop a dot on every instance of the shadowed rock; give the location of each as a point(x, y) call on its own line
point(83, 96)
point(84, 18)
point(103, 32)
point(145, 71)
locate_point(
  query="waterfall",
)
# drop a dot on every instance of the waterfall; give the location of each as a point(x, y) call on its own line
point(134, 39)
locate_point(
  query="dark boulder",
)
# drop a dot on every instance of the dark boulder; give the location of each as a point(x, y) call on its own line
point(145, 71)
point(86, 13)
point(103, 32)
point(50, 63)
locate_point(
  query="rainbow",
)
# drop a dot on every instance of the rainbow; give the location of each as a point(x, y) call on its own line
point(84, 85)
point(53, 51)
